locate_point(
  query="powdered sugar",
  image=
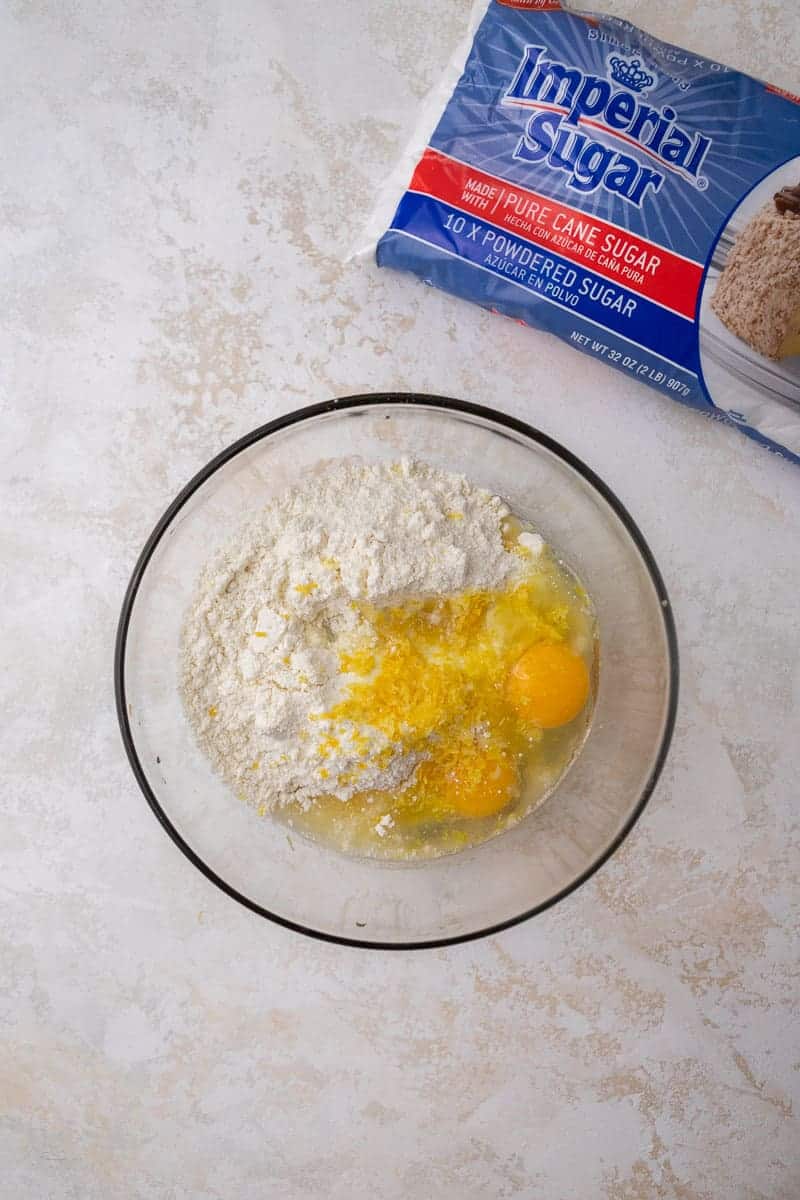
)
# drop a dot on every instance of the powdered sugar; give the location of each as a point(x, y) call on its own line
point(274, 609)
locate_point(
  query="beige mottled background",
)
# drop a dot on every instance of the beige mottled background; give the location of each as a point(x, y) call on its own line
point(179, 182)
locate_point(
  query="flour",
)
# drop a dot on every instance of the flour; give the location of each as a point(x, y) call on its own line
point(274, 609)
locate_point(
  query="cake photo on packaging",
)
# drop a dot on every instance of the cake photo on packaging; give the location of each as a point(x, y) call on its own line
point(758, 295)
point(636, 199)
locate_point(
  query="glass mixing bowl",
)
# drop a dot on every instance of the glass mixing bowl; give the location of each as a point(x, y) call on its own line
point(307, 886)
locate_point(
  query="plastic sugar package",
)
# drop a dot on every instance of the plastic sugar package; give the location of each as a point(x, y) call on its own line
point(635, 199)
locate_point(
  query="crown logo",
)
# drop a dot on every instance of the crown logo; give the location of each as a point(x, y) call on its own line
point(630, 74)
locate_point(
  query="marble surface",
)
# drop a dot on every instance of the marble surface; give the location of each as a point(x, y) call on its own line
point(180, 184)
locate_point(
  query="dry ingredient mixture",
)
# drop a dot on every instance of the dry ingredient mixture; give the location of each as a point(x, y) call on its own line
point(388, 660)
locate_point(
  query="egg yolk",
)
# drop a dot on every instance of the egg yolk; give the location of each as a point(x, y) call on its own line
point(480, 785)
point(548, 686)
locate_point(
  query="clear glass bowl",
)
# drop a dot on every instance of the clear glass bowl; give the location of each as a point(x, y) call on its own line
point(307, 886)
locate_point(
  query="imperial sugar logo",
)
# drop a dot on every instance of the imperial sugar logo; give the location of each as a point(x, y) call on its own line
point(630, 74)
point(599, 134)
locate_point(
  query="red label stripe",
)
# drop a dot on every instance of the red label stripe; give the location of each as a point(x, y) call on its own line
point(538, 5)
point(776, 91)
point(642, 266)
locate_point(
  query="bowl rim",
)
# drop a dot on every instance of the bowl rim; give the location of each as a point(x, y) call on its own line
point(398, 400)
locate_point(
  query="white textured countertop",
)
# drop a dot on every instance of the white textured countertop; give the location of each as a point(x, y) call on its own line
point(180, 183)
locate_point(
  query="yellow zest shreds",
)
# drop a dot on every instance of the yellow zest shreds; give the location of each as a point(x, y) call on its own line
point(360, 742)
point(255, 765)
point(452, 515)
point(324, 773)
point(328, 744)
point(212, 712)
point(385, 757)
point(305, 589)
point(357, 662)
point(332, 564)
point(259, 633)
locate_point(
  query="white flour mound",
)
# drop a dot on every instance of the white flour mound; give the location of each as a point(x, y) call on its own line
point(273, 609)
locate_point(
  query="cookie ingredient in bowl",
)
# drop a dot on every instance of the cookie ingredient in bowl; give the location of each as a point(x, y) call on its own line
point(381, 655)
point(261, 641)
point(548, 685)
